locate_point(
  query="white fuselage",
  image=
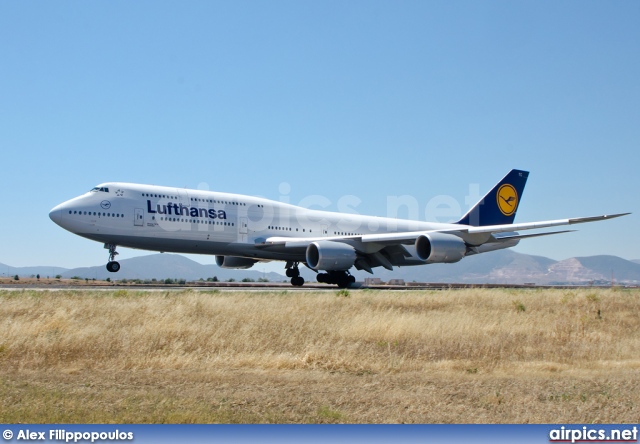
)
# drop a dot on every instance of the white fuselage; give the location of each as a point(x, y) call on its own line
point(206, 222)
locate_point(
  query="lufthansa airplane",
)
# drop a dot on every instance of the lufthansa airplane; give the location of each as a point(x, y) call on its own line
point(243, 230)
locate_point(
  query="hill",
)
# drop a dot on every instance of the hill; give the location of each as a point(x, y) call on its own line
point(498, 267)
point(509, 267)
point(44, 271)
point(153, 266)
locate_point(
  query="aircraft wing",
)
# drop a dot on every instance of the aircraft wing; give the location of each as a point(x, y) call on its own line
point(397, 249)
point(465, 231)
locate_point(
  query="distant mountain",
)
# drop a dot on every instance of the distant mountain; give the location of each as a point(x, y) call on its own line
point(7, 270)
point(162, 266)
point(637, 261)
point(498, 267)
point(608, 266)
point(509, 267)
point(154, 266)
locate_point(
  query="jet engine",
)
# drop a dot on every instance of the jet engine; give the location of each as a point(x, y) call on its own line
point(328, 255)
point(438, 247)
point(234, 262)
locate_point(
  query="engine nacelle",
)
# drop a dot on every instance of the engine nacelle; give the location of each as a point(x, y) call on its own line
point(328, 255)
point(438, 247)
point(235, 262)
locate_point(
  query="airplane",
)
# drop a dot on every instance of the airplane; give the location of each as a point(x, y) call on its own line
point(244, 230)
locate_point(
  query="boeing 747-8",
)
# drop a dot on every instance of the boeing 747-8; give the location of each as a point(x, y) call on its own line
point(243, 230)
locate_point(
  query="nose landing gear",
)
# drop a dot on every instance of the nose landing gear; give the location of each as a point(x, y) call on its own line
point(112, 265)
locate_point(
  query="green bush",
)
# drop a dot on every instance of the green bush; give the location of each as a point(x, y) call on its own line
point(519, 306)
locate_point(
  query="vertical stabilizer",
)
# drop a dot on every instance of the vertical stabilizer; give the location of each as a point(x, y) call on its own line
point(498, 206)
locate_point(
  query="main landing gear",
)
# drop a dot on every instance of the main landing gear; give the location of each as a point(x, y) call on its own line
point(341, 278)
point(294, 273)
point(112, 266)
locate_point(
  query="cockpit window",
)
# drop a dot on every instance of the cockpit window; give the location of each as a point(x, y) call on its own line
point(103, 189)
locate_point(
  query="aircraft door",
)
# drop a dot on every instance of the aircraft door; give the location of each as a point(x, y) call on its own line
point(243, 229)
point(138, 220)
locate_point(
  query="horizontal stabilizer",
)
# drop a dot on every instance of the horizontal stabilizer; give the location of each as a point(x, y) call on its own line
point(524, 236)
point(536, 225)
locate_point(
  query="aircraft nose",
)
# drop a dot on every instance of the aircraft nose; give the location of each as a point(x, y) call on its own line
point(55, 214)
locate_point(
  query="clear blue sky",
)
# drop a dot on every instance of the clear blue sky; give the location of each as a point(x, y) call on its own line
point(365, 98)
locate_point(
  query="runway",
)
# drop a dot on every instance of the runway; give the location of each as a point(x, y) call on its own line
point(56, 285)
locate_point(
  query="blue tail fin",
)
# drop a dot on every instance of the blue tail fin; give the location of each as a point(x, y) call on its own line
point(498, 206)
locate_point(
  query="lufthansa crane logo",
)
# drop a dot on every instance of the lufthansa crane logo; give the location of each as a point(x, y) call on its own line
point(507, 199)
point(105, 204)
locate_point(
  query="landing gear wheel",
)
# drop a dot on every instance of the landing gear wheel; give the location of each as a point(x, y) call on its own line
point(294, 273)
point(343, 282)
point(112, 265)
point(340, 278)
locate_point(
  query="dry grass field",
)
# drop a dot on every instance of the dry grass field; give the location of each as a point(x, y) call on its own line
point(470, 356)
